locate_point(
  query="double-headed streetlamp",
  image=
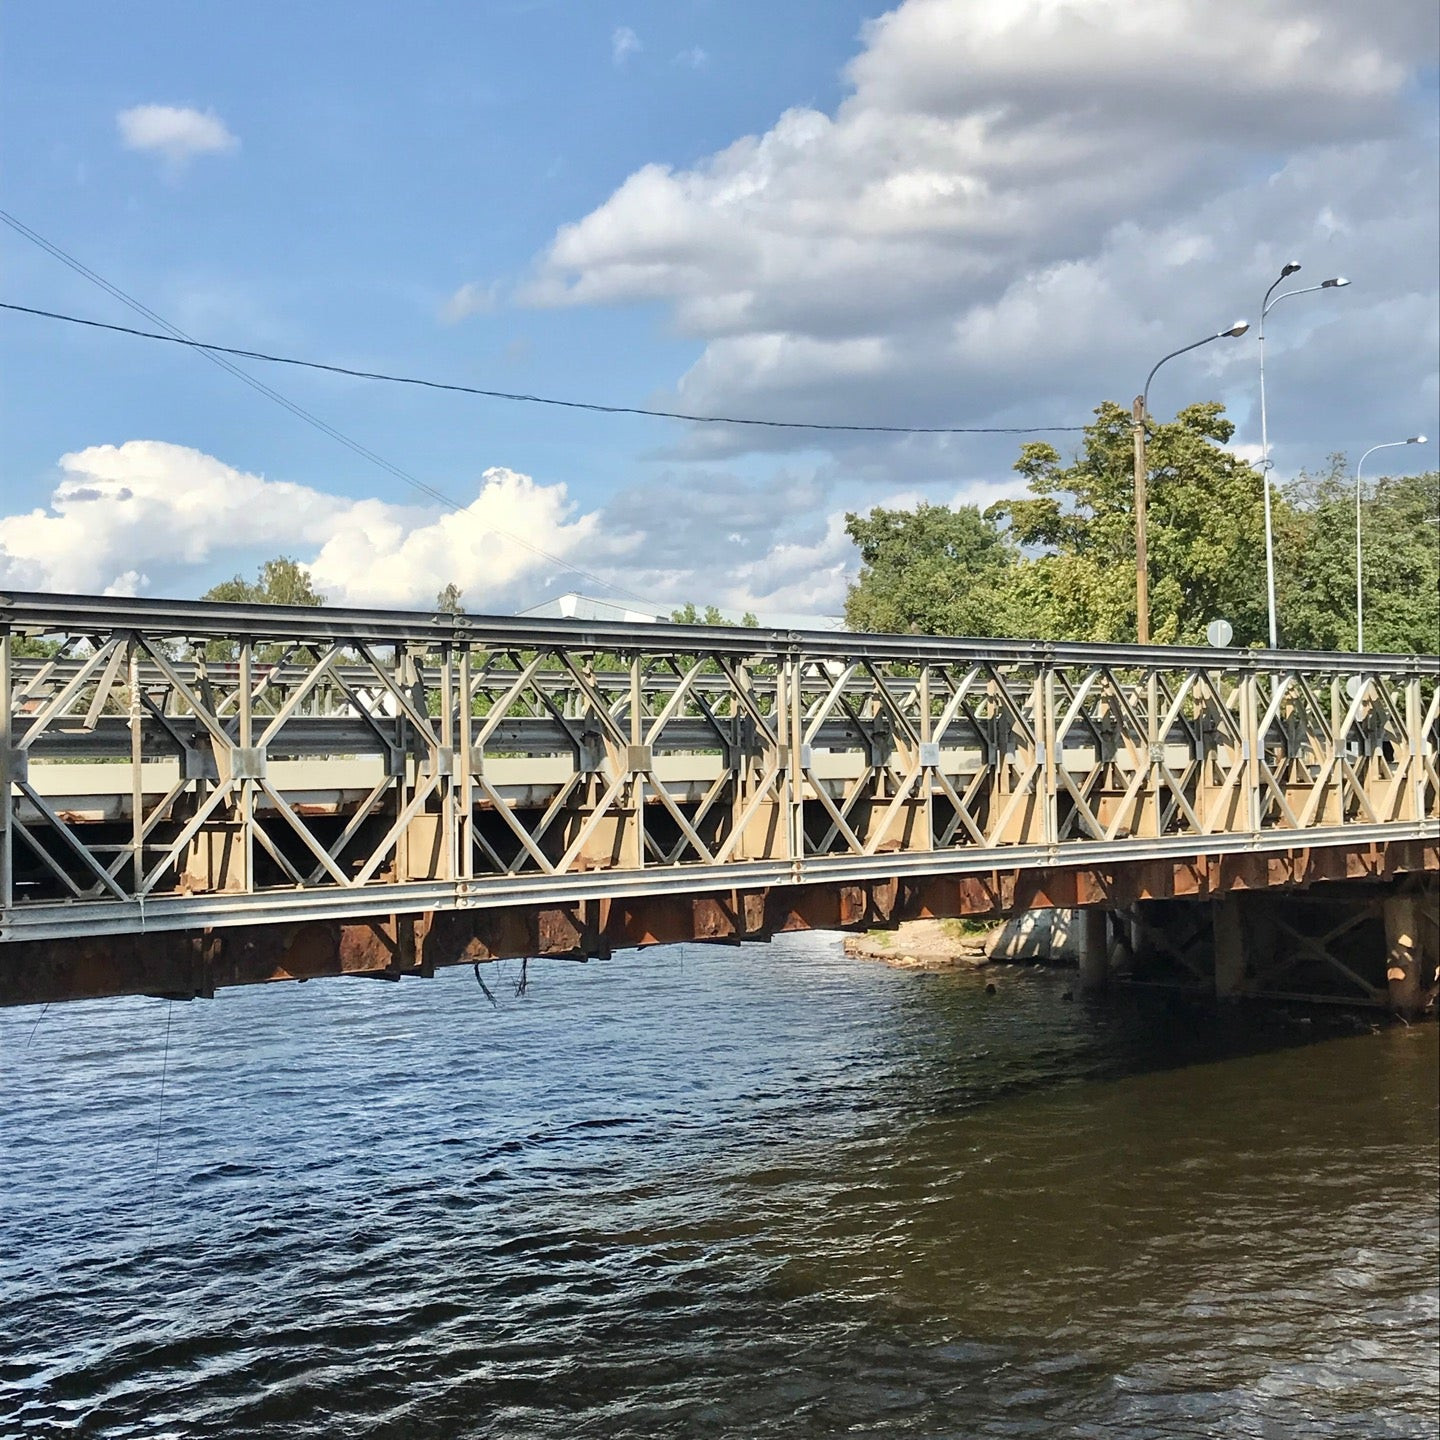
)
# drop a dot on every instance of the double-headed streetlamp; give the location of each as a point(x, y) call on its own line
point(1335, 283)
point(1359, 564)
point(1139, 417)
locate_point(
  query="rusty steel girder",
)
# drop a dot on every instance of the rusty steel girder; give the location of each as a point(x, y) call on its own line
point(188, 965)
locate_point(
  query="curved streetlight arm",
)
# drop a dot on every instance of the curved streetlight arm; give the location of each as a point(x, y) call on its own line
point(1265, 303)
point(1388, 445)
point(1139, 416)
point(1304, 290)
point(1359, 552)
point(1145, 393)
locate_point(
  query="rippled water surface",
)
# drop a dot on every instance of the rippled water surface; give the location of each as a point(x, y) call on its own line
point(760, 1191)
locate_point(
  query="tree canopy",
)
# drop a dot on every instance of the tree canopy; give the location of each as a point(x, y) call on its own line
point(281, 581)
point(1060, 564)
point(931, 570)
point(1205, 531)
point(1400, 547)
point(687, 614)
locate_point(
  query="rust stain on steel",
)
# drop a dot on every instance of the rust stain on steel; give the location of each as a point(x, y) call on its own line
point(197, 964)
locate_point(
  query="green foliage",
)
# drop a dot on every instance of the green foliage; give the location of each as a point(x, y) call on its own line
point(1205, 531)
point(687, 614)
point(1400, 541)
point(1060, 563)
point(281, 581)
point(32, 647)
point(931, 570)
point(450, 600)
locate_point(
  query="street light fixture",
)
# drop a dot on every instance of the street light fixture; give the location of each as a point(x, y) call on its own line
point(1359, 595)
point(1139, 414)
point(1336, 282)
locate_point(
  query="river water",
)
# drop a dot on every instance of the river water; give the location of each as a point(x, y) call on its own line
point(755, 1191)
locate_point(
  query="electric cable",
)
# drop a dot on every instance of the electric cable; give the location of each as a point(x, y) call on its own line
point(214, 351)
point(178, 336)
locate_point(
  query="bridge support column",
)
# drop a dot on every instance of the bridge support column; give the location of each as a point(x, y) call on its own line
point(1244, 939)
point(1404, 954)
point(1231, 958)
point(1142, 945)
point(1093, 948)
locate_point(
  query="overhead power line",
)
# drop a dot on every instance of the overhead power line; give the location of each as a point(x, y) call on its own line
point(218, 357)
point(219, 350)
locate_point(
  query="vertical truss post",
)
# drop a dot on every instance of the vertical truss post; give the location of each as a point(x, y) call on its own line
point(446, 760)
point(789, 716)
point(137, 756)
point(465, 799)
point(1154, 750)
point(7, 749)
point(742, 777)
point(1413, 805)
point(1046, 732)
point(927, 749)
point(1250, 748)
point(246, 736)
point(637, 777)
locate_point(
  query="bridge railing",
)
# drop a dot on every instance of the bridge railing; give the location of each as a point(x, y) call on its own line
point(168, 765)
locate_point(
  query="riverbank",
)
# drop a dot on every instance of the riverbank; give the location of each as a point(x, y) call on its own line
point(1041, 937)
point(925, 945)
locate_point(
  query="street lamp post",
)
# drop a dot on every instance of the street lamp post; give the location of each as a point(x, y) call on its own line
point(1267, 305)
point(1139, 414)
point(1359, 564)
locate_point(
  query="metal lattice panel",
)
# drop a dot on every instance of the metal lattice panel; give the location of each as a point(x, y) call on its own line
point(170, 766)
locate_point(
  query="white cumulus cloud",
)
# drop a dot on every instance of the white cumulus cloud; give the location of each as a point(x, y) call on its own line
point(498, 549)
point(151, 517)
point(1020, 204)
point(151, 508)
point(176, 133)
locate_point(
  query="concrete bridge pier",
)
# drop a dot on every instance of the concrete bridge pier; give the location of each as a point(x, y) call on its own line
point(1244, 938)
point(1093, 948)
point(1410, 962)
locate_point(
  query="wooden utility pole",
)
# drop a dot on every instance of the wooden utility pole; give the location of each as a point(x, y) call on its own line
point(1142, 568)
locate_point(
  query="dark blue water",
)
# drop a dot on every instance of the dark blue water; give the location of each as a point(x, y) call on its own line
point(761, 1191)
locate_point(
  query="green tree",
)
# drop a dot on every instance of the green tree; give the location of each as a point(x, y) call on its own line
point(687, 614)
point(450, 600)
point(1060, 563)
point(1205, 532)
point(931, 570)
point(1400, 528)
point(281, 581)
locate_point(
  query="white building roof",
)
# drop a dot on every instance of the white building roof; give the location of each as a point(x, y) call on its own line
point(574, 606)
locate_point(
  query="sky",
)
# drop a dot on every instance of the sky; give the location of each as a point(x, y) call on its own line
point(954, 213)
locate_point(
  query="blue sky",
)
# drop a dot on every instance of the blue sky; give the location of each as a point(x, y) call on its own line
point(388, 155)
point(559, 197)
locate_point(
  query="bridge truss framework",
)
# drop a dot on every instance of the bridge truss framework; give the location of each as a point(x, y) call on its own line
point(250, 780)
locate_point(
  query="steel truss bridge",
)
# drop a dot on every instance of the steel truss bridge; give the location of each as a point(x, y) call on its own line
point(205, 794)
